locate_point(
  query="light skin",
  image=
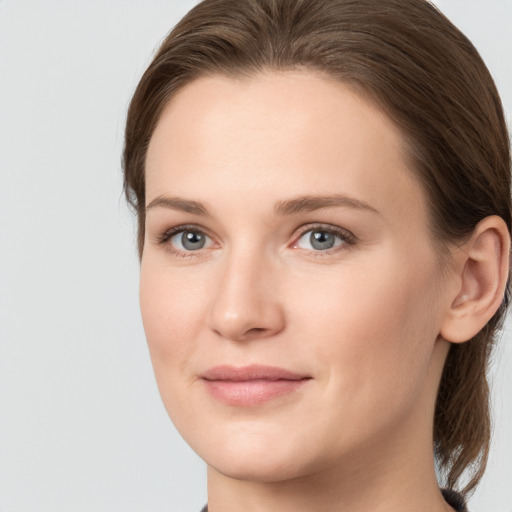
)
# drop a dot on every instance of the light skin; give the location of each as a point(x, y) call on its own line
point(285, 228)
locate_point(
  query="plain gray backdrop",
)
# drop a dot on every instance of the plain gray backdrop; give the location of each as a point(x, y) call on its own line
point(81, 423)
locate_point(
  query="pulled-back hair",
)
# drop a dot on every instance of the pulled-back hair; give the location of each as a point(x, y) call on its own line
point(409, 59)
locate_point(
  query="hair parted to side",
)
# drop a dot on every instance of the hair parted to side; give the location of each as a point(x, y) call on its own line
point(423, 72)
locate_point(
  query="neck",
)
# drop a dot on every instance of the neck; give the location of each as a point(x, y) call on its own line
point(394, 486)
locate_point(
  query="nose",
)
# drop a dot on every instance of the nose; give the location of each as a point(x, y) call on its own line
point(246, 304)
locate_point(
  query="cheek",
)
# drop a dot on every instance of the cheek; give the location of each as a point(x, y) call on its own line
point(172, 307)
point(376, 328)
point(173, 311)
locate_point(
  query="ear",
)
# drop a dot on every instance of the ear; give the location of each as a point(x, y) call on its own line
point(482, 269)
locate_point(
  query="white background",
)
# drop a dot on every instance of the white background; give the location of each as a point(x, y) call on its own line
point(81, 424)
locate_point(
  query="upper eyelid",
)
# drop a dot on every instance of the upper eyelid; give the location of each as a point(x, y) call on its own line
point(163, 239)
point(184, 227)
point(331, 228)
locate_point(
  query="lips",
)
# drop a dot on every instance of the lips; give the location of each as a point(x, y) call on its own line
point(251, 385)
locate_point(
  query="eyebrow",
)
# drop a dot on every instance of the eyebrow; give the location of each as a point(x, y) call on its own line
point(179, 204)
point(313, 203)
point(289, 207)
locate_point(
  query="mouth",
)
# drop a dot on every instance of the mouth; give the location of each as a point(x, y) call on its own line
point(251, 385)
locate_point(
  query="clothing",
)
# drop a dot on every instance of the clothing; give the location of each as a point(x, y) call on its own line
point(453, 498)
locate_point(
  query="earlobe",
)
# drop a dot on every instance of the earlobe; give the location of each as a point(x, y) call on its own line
point(483, 270)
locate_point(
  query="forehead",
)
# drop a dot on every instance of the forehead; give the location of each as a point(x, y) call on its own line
point(279, 133)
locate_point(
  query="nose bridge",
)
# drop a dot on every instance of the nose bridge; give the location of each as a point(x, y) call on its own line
point(246, 304)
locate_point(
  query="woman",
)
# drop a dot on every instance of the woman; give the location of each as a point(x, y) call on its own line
point(323, 197)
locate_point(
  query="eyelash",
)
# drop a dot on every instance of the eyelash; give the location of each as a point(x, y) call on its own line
point(164, 238)
point(346, 237)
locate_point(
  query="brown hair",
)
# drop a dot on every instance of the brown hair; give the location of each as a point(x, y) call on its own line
point(424, 73)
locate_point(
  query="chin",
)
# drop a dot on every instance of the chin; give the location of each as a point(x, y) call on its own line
point(257, 453)
point(261, 467)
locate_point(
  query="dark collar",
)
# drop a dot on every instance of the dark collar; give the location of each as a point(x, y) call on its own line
point(455, 500)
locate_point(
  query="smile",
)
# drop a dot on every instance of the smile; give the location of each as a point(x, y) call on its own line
point(251, 385)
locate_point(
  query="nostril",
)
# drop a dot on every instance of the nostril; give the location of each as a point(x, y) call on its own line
point(254, 333)
point(245, 316)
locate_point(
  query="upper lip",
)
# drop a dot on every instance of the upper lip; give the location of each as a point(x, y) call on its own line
point(251, 372)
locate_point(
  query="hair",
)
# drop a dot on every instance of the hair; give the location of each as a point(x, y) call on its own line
point(409, 59)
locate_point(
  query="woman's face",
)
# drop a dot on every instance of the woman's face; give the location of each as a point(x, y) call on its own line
point(290, 293)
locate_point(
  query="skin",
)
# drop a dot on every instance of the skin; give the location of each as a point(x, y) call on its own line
point(362, 320)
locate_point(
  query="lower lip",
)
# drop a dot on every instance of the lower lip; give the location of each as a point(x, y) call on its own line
point(251, 392)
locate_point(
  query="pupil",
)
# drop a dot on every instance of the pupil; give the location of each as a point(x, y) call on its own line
point(192, 240)
point(322, 240)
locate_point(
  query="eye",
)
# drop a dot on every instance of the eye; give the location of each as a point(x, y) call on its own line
point(187, 240)
point(323, 239)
